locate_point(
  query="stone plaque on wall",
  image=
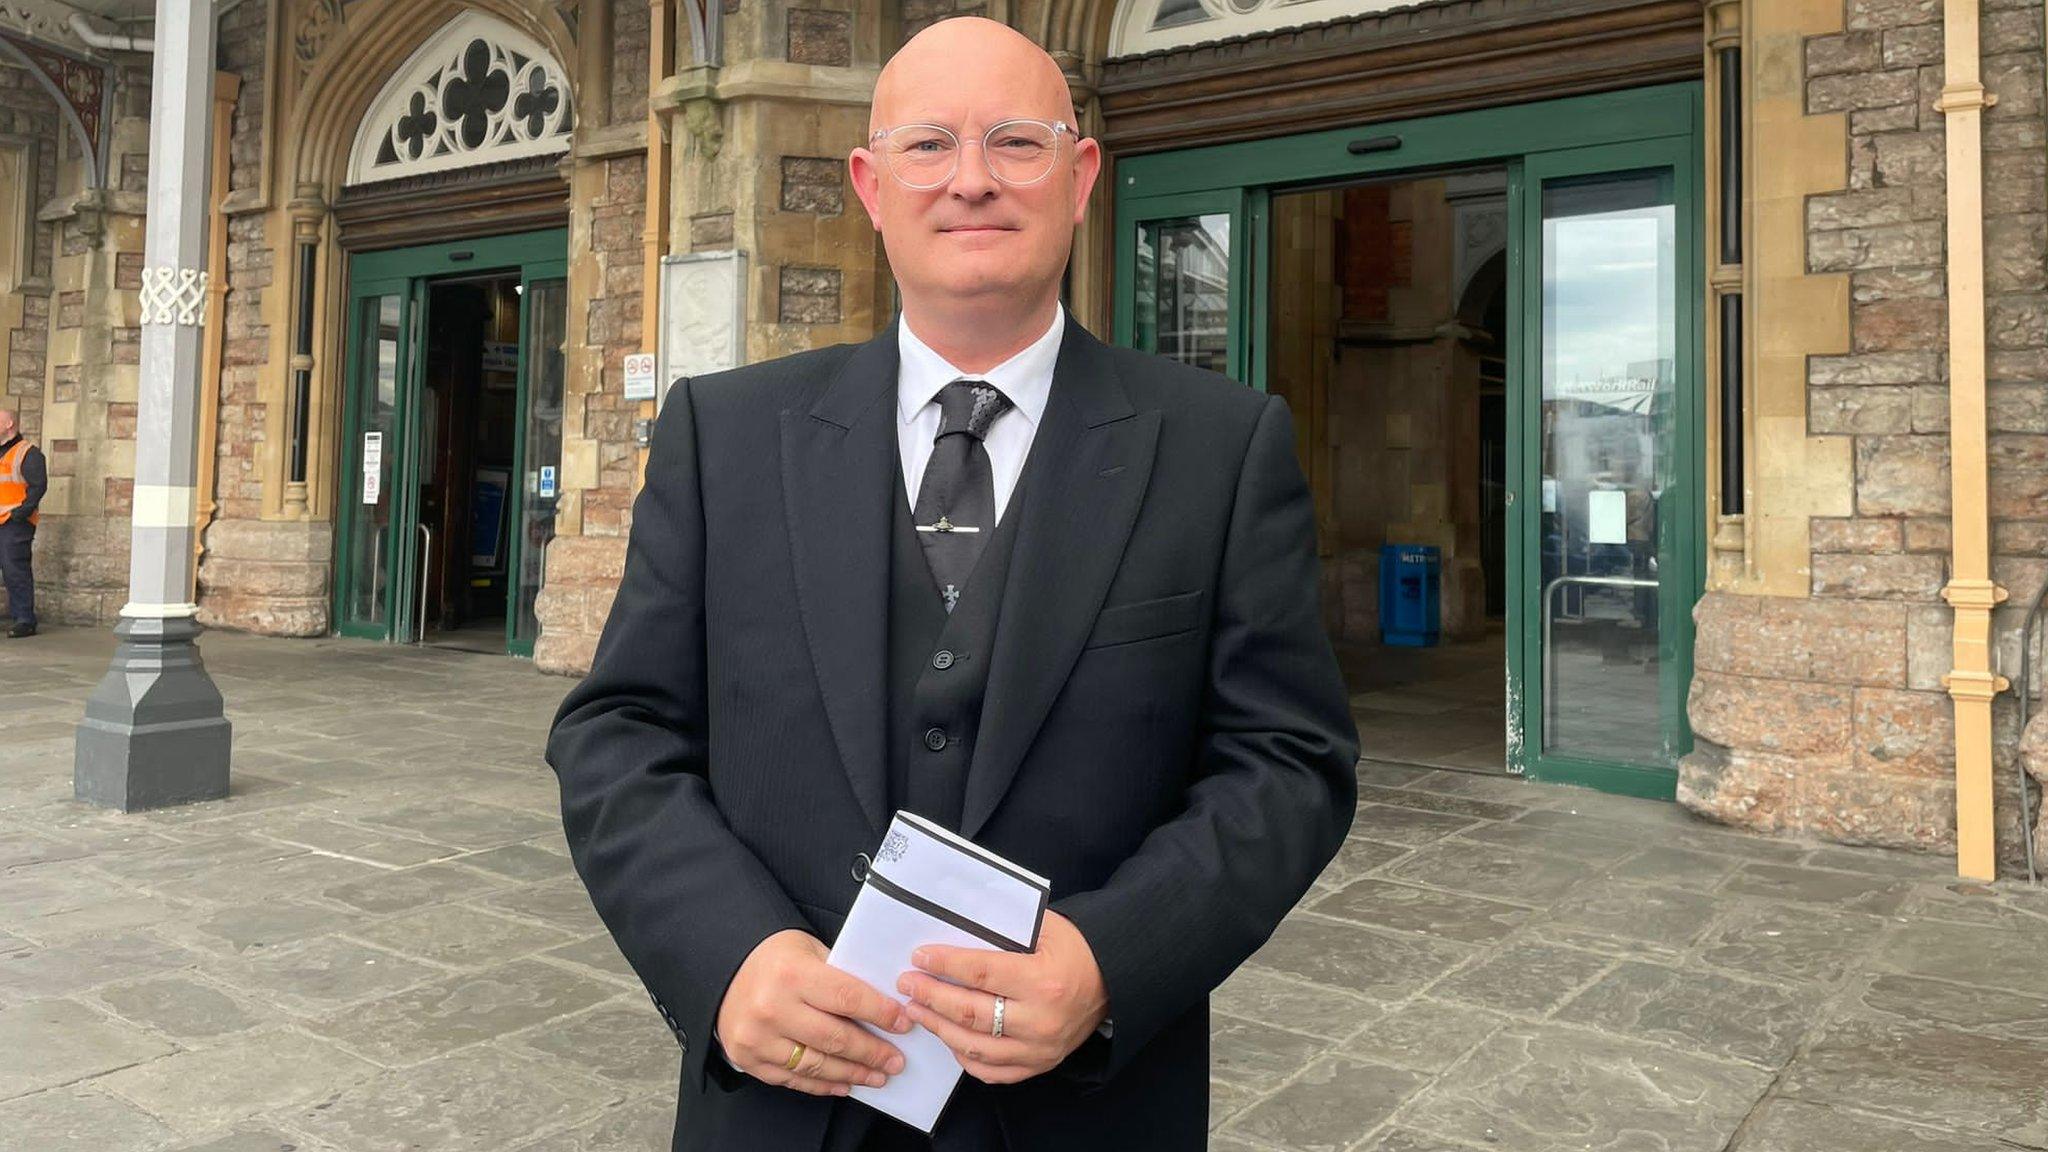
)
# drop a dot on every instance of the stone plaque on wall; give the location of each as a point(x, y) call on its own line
point(702, 317)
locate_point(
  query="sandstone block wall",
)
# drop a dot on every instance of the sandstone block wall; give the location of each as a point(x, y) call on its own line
point(1827, 715)
point(600, 456)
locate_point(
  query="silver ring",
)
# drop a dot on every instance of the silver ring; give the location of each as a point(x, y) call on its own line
point(995, 1027)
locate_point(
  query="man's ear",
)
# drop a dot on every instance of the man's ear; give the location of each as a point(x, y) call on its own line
point(865, 170)
point(1087, 170)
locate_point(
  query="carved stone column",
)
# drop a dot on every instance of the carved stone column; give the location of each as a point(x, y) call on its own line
point(154, 732)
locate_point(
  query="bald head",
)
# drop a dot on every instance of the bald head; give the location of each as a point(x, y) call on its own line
point(916, 83)
point(8, 423)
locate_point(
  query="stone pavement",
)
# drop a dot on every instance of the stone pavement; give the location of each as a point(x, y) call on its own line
point(377, 943)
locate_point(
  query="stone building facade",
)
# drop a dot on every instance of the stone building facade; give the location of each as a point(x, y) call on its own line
point(1819, 683)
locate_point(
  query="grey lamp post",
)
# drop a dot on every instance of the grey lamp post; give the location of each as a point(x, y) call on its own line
point(155, 732)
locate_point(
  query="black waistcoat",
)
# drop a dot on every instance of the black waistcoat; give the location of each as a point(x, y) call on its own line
point(938, 666)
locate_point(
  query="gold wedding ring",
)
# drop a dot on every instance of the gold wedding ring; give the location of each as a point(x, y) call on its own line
point(796, 1057)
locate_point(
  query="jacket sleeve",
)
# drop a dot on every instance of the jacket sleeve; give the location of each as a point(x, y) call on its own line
point(684, 898)
point(36, 473)
point(1274, 786)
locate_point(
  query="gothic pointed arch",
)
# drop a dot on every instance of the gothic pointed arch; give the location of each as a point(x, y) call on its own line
point(369, 53)
point(477, 91)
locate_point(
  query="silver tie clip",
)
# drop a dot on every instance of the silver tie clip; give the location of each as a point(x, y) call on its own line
point(945, 525)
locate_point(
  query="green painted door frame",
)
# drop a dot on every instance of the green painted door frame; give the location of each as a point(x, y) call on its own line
point(407, 274)
point(1660, 127)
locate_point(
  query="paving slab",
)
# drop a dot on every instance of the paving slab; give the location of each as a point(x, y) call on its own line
point(1546, 1088)
point(1376, 964)
point(1799, 1126)
point(1324, 1108)
point(1696, 1012)
point(1429, 911)
point(616, 1041)
point(1258, 1056)
point(1927, 1073)
point(1425, 1035)
point(52, 1042)
point(1529, 977)
point(1496, 872)
point(181, 1006)
point(1255, 993)
point(210, 1088)
point(316, 976)
point(77, 1120)
point(630, 1126)
point(439, 1016)
point(484, 1099)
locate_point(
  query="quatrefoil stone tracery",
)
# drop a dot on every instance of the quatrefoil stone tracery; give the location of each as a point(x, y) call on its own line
point(173, 296)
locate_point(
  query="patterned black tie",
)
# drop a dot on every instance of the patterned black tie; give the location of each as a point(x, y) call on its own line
point(956, 502)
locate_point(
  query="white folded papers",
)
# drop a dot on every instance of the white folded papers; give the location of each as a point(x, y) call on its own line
point(929, 886)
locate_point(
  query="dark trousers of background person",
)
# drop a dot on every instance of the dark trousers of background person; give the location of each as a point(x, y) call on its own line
point(16, 542)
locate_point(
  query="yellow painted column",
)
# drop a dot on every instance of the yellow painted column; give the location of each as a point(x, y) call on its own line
point(1972, 684)
point(661, 49)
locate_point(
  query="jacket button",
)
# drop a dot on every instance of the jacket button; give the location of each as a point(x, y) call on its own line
point(860, 867)
point(934, 739)
point(942, 659)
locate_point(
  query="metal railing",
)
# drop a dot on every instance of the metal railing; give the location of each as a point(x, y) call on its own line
point(1549, 664)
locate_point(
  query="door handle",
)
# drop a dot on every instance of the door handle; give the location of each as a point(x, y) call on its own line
point(426, 578)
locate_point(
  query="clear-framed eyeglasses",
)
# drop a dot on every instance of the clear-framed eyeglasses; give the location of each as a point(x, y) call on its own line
point(1018, 152)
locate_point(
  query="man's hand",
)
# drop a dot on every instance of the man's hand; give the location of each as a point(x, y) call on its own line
point(1054, 997)
point(784, 995)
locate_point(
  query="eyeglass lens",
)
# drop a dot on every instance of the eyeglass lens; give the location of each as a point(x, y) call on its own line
point(1017, 152)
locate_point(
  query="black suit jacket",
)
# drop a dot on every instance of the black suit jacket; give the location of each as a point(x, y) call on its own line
point(1165, 734)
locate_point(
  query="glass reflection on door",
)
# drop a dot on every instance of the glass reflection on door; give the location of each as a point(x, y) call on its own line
point(368, 552)
point(1183, 289)
point(546, 339)
point(1609, 343)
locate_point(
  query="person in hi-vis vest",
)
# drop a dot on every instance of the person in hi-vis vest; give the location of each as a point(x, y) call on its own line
point(23, 479)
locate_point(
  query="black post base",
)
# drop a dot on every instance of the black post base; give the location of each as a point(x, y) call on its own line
point(155, 732)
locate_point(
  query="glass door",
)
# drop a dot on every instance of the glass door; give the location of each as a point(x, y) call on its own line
point(1604, 425)
point(543, 326)
point(384, 318)
point(386, 562)
point(1186, 259)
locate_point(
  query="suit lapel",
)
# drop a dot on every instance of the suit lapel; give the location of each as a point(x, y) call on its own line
point(1090, 461)
point(839, 468)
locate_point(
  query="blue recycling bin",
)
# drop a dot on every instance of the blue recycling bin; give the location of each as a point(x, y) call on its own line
point(1409, 608)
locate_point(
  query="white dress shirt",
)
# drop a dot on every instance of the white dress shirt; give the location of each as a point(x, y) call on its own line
point(1025, 378)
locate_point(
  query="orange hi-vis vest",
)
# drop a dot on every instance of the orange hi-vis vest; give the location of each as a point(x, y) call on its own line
point(13, 484)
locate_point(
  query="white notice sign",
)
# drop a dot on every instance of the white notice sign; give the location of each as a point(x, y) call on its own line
point(1607, 517)
point(373, 466)
point(703, 315)
point(640, 376)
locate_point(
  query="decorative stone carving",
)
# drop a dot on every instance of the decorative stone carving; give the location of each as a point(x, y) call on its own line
point(477, 92)
point(1149, 25)
point(317, 25)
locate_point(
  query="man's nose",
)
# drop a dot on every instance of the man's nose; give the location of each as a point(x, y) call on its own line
point(972, 179)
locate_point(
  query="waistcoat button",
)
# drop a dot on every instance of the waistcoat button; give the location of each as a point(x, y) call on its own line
point(934, 739)
point(942, 659)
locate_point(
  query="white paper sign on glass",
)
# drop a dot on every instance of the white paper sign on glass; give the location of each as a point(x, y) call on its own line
point(1607, 517)
point(929, 886)
point(373, 466)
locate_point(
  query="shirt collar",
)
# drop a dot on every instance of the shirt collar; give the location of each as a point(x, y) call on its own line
point(1025, 378)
